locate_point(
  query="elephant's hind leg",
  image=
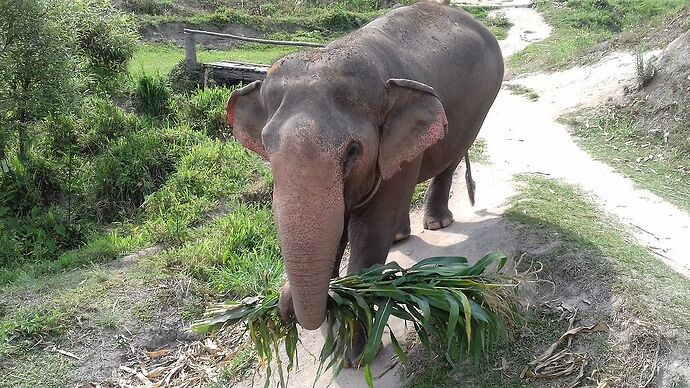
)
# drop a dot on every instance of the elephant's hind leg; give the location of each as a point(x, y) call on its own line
point(436, 212)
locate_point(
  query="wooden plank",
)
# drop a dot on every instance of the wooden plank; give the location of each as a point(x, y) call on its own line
point(230, 72)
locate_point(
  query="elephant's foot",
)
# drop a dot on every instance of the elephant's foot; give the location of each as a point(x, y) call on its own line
point(403, 233)
point(353, 355)
point(438, 220)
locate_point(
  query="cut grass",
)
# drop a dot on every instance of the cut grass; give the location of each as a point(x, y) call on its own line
point(153, 59)
point(586, 256)
point(580, 26)
point(442, 297)
point(616, 139)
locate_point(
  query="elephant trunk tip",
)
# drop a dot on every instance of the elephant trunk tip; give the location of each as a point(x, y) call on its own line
point(310, 316)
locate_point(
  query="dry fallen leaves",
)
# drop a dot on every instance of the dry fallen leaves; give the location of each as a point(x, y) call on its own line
point(553, 363)
point(190, 365)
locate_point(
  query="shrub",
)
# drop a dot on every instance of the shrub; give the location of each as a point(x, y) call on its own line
point(339, 19)
point(134, 166)
point(152, 96)
point(205, 111)
point(100, 121)
point(149, 7)
point(106, 37)
point(183, 80)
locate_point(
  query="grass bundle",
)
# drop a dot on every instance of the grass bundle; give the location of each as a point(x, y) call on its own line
point(444, 298)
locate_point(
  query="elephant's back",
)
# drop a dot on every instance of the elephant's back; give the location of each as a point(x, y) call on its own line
point(441, 46)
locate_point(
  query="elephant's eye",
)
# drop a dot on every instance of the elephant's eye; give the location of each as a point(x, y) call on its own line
point(351, 155)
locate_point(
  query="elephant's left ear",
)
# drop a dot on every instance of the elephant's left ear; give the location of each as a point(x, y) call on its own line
point(416, 120)
point(247, 117)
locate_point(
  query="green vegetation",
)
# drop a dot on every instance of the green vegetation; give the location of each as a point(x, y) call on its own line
point(580, 26)
point(657, 162)
point(331, 20)
point(627, 268)
point(442, 297)
point(585, 256)
point(154, 59)
point(498, 24)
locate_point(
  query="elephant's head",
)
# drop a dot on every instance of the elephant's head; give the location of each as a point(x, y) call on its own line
point(330, 137)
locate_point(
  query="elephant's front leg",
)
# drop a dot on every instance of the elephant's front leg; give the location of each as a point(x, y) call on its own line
point(372, 231)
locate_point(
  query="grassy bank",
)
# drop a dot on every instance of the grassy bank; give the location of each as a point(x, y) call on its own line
point(155, 59)
point(582, 28)
point(589, 265)
point(619, 140)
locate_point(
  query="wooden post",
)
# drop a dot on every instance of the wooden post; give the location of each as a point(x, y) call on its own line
point(190, 51)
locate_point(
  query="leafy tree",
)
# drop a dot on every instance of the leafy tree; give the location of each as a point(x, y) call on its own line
point(37, 66)
point(106, 38)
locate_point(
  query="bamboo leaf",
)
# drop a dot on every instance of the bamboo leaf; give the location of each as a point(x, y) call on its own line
point(376, 332)
point(367, 376)
point(396, 347)
point(454, 314)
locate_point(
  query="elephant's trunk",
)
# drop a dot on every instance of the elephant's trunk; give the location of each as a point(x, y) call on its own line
point(309, 219)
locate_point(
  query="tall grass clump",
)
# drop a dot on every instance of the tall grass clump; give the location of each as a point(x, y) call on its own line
point(205, 111)
point(135, 166)
point(152, 96)
point(442, 297)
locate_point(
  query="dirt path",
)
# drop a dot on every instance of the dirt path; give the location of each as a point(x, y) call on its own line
point(524, 137)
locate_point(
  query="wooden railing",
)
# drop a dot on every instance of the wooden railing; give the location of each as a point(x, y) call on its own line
point(190, 43)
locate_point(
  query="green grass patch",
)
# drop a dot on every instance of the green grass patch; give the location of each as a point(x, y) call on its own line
point(332, 19)
point(630, 269)
point(498, 24)
point(155, 59)
point(645, 157)
point(49, 370)
point(581, 25)
point(585, 255)
point(236, 254)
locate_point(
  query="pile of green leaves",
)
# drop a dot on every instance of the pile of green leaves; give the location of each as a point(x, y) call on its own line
point(444, 298)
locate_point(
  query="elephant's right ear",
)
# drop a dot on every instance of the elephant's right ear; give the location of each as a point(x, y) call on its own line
point(247, 117)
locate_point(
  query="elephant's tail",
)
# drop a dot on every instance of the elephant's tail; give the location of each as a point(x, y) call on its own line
point(471, 185)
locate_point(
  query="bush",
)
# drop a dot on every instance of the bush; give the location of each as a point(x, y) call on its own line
point(184, 81)
point(206, 111)
point(134, 166)
point(149, 7)
point(100, 121)
point(106, 37)
point(152, 96)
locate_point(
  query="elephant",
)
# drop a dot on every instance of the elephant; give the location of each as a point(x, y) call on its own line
point(351, 128)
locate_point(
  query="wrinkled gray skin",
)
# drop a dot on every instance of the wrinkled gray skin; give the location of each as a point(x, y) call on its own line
point(350, 129)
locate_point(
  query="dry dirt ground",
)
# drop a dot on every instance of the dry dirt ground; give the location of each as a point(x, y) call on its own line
point(525, 137)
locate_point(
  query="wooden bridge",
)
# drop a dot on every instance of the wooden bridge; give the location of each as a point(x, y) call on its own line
point(229, 72)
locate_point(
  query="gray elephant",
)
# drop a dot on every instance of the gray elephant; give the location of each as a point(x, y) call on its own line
point(350, 129)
